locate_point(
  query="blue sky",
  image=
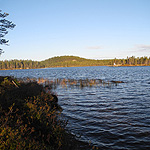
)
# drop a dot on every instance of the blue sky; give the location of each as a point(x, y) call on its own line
point(95, 29)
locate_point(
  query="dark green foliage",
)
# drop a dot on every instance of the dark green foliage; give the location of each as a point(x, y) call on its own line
point(20, 64)
point(4, 26)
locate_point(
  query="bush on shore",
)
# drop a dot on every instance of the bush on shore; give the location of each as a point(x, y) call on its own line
point(29, 117)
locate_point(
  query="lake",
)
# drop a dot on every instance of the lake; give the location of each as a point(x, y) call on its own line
point(108, 116)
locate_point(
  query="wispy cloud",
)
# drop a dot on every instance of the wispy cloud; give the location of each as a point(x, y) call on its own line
point(142, 48)
point(94, 47)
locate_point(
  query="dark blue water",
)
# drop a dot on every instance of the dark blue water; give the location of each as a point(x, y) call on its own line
point(111, 117)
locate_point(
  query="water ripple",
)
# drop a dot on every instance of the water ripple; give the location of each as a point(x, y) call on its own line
point(111, 117)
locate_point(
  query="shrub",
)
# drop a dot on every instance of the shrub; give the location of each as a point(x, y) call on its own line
point(29, 117)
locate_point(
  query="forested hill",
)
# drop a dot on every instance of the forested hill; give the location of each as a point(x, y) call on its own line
point(73, 61)
point(70, 61)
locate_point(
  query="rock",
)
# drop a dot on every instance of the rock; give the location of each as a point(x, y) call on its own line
point(117, 81)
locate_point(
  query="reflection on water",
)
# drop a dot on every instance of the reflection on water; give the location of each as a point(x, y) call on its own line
point(111, 117)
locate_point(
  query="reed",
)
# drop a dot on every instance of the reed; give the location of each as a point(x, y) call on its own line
point(77, 83)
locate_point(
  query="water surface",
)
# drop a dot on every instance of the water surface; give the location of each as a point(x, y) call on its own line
point(111, 117)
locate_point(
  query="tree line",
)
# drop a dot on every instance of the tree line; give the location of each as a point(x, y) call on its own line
point(72, 61)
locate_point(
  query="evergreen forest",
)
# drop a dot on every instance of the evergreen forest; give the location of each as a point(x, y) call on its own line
point(72, 61)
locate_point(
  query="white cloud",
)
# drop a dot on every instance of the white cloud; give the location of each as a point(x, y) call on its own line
point(142, 48)
point(94, 47)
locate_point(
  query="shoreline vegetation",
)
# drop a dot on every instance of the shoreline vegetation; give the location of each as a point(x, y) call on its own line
point(30, 118)
point(73, 61)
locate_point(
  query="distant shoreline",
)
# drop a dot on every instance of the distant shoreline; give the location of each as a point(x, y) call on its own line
point(128, 65)
point(79, 66)
point(72, 61)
